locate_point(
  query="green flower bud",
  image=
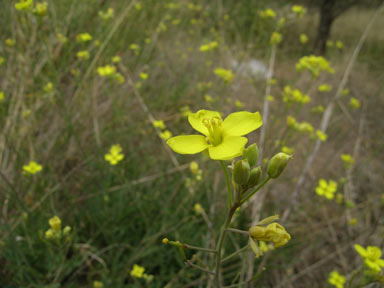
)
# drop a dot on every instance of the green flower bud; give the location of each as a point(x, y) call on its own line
point(251, 154)
point(254, 177)
point(241, 172)
point(277, 164)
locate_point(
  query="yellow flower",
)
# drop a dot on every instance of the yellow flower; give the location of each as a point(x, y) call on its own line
point(273, 232)
point(298, 10)
point(55, 223)
point(198, 208)
point(222, 138)
point(371, 256)
point(270, 98)
point(185, 111)
point(135, 48)
point(137, 271)
point(318, 109)
point(321, 135)
point(339, 45)
point(107, 15)
point(83, 55)
point(48, 87)
point(98, 284)
point(166, 134)
point(287, 150)
point(1, 60)
point(210, 46)
point(295, 96)
point(106, 71)
point(143, 76)
point(10, 42)
point(114, 156)
point(276, 38)
point(2, 96)
point(325, 88)
point(32, 168)
point(159, 124)
point(49, 234)
point(41, 9)
point(315, 64)
point(208, 98)
point(83, 37)
point(325, 189)
point(267, 13)
point(336, 279)
point(194, 167)
point(226, 75)
point(303, 38)
point(347, 159)
point(24, 5)
point(352, 221)
point(354, 103)
point(239, 104)
point(116, 59)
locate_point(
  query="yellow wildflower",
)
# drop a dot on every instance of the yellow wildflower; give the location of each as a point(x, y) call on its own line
point(273, 232)
point(198, 208)
point(135, 48)
point(339, 45)
point(98, 284)
point(303, 38)
point(159, 124)
point(325, 88)
point(325, 189)
point(208, 98)
point(222, 138)
point(287, 150)
point(321, 135)
point(119, 78)
point(185, 111)
point(83, 55)
point(194, 167)
point(354, 103)
point(226, 75)
point(143, 76)
point(347, 159)
point(295, 96)
point(239, 104)
point(55, 223)
point(41, 9)
point(267, 13)
point(137, 271)
point(83, 37)
point(147, 40)
point(48, 87)
point(2, 96)
point(276, 38)
point(1, 60)
point(371, 256)
point(318, 109)
point(116, 59)
point(352, 221)
point(106, 71)
point(107, 15)
point(345, 92)
point(50, 234)
point(24, 5)
point(209, 46)
point(336, 279)
point(298, 10)
point(10, 42)
point(166, 134)
point(315, 64)
point(114, 156)
point(32, 168)
point(270, 98)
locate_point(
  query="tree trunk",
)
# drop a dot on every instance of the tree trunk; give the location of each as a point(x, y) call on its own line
point(327, 16)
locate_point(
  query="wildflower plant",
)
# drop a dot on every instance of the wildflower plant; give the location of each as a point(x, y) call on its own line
point(224, 140)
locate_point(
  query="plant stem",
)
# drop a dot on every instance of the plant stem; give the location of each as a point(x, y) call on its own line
point(245, 248)
point(187, 246)
point(254, 191)
point(220, 242)
point(238, 231)
point(228, 184)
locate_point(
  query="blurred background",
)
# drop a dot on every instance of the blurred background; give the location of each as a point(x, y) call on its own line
point(90, 91)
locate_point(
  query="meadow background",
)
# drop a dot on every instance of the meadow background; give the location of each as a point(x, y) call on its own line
point(57, 110)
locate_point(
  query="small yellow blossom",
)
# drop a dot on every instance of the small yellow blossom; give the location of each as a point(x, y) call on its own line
point(83, 55)
point(107, 15)
point(267, 13)
point(264, 247)
point(270, 98)
point(325, 88)
point(288, 150)
point(83, 37)
point(239, 104)
point(98, 284)
point(347, 159)
point(325, 189)
point(159, 124)
point(315, 64)
point(352, 221)
point(2, 96)
point(10, 42)
point(50, 234)
point(345, 92)
point(226, 75)
point(48, 88)
point(371, 256)
point(295, 96)
point(41, 9)
point(354, 103)
point(321, 135)
point(2, 60)
point(119, 79)
point(147, 40)
point(318, 109)
point(299, 10)
point(273, 232)
point(198, 208)
point(185, 111)
point(116, 59)
point(114, 156)
point(208, 98)
point(144, 76)
point(276, 38)
point(208, 47)
point(55, 223)
point(166, 134)
point(194, 167)
point(135, 48)
point(223, 139)
point(137, 271)
point(32, 168)
point(165, 240)
point(336, 279)
point(339, 45)
point(106, 71)
point(303, 38)
point(24, 5)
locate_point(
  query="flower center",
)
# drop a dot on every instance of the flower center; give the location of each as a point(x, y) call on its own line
point(214, 129)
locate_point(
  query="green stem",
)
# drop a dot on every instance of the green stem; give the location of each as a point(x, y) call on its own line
point(245, 248)
point(254, 191)
point(228, 184)
point(187, 246)
point(238, 231)
point(220, 242)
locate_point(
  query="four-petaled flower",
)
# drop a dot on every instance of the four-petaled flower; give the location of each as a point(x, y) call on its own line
point(137, 271)
point(325, 189)
point(114, 156)
point(32, 168)
point(371, 256)
point(223, 139)
point(336, 279)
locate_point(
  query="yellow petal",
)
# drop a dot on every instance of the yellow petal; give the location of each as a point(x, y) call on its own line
point(360, 250)
point(196, 120)
point(231, 147)
point(241, 123)
point(188, 144)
